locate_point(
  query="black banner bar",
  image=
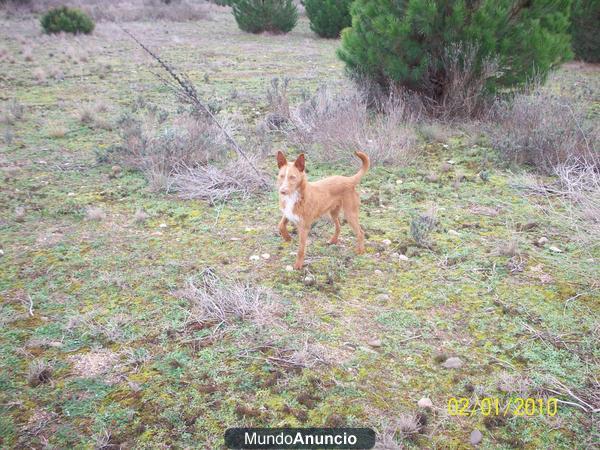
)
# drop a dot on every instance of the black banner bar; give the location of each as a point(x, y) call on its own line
point(300, 438)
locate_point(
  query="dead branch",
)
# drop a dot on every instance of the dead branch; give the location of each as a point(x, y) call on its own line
point(187, 92)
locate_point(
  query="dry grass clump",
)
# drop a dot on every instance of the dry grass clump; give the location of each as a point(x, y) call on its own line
point(140, 216)
point(95, 214)
point(405, 426)
point(544, 130)
point(86, 114)
point(216, 301)
point(39, 372)
point(573, 197)
point(57, 131)
point(95, 363)
point(333, 127)
point(40, 75)
point(434, 132)
point(217, 183)
point(13, 111)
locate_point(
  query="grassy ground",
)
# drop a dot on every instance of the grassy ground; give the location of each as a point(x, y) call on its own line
point(94, 299)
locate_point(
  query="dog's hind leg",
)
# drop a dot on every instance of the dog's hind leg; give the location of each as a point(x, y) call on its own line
point(351, 213)
point(283, 229)
point(335, 217)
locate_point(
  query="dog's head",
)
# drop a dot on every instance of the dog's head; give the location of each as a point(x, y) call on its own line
point(291, 174)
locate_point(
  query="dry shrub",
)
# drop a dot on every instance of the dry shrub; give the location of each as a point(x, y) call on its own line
point(161, 152)
point(13, 111)
point(123, 10)
point(86, 114)
point(573, 198)
point(40, 75)
point(464, 94)
point(544, 130)
point(217, 183)
point(581, 185)
point(215, 301)
point(95, 214)
point(278, 104)
point(332, 127)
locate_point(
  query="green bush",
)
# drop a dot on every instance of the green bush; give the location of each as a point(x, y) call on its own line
point(328, 17)
point(69, 20)
point(406, 43)
point(585, 20)
point(256, 16)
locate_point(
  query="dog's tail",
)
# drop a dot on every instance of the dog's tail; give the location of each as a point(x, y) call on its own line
point(365, 166)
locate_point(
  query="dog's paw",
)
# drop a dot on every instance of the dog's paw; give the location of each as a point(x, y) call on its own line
point(333, 241)
point(298, 265)
point(360, 250)
point(287, 238)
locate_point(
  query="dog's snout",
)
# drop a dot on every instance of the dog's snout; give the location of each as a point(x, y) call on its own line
point(283, 191)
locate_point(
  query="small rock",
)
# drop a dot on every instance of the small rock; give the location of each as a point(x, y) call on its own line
point(403, 257)
point(289, 268)
point(248, 229)
point(382, 298)
point(555, 249)
point(254, 258)
point(1, 252)
point(453, 233)
point(475, 437)
point(386, 242)
point(309, 280)
point(374, 343)
point(55, 344)
point(542, 241)
point(115, 169)
point(378, 272)
point(425, 403)
point(445, 145)
point(453, 363)
point(450, 162)
point(265, 256)
point(71, 194)
point(163, 225)
point(235, 239)
point(398, 181)
point(135, 387)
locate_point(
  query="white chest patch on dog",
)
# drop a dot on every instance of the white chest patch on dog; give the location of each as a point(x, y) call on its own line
point(289, 201)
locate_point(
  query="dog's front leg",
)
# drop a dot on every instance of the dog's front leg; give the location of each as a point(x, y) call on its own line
point(283, 229)
point(303, 235)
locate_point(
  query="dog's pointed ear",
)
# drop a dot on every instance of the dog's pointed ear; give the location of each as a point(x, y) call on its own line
point(299, 163)
point(281, 161)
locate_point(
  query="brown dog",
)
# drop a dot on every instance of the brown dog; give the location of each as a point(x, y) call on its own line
point(302, 202)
